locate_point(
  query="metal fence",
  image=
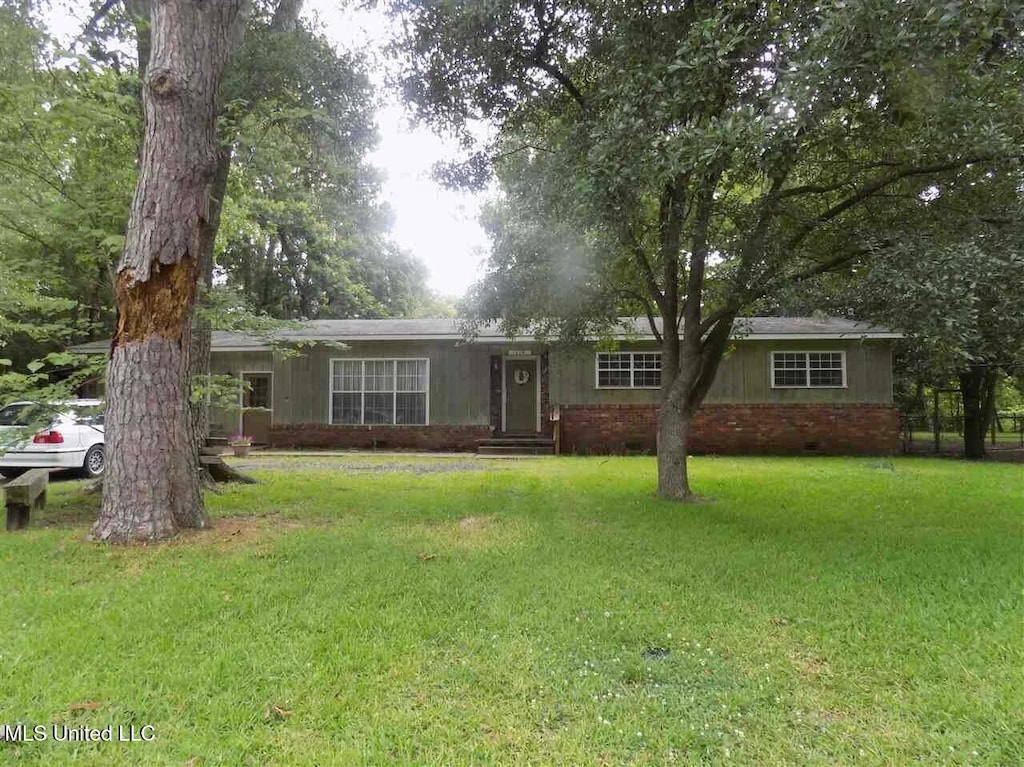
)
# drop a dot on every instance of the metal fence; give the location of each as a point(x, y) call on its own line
point(920, 430)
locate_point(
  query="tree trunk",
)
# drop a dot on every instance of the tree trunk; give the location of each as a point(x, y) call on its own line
point(977, 388)
point(286, 18)
point(152, 488)
point(673, 433)
point(674, 416)
point(200, 362)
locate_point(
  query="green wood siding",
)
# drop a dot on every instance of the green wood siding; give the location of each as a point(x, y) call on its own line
point(573, 379)
point(743, 377)
point(460, 377)
point(458, 387)
point(224, 421)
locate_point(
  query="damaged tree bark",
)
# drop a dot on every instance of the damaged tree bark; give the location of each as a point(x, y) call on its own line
point(152, 488)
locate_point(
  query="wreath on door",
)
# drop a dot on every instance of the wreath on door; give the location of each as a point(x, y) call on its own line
point(521, 376)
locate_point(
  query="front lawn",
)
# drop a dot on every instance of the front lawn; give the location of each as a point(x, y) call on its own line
point(456, 611)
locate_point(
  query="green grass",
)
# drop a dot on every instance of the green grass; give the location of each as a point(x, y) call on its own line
point(953, 439)
point(817, 611)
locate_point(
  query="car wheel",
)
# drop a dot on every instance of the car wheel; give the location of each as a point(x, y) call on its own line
point(95, 460)
point(12, 473)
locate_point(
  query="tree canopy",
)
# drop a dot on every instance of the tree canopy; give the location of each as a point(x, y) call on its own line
point(304, 234)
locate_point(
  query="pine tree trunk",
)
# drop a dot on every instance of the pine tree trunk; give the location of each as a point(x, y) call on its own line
point(200, 362)
point(673, 433)
point(151, 488)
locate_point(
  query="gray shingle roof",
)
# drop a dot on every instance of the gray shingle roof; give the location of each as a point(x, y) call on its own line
point(754, 328)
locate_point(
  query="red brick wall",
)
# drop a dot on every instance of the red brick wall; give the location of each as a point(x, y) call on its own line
point(434, 437)
point(720, 428)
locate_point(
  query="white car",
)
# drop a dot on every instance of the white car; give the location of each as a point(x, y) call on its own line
point(71, 437)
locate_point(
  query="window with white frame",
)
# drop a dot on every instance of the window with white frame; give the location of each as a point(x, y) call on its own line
point(808, 370)
point(379, 391)
point(629, 370)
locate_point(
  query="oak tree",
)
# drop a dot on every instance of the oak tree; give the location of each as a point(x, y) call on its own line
point(685, 159)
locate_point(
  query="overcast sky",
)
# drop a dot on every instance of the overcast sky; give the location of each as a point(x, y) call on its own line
point(437, 225)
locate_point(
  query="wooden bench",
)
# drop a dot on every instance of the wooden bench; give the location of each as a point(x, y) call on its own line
point(24, 494)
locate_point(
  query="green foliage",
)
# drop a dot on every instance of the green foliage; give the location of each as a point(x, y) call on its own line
point(56, 377)
point(954, 286)
point(304, 235)
point(69, 136)
point(1010, 395)
point(718, 150)
point(68, 131)
point(219, 391)
point(958, 304)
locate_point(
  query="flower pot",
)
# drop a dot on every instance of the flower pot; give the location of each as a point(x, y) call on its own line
point(240, 451)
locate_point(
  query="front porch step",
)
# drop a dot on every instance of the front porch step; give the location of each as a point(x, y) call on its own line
point(515, 445)
point(521, 450)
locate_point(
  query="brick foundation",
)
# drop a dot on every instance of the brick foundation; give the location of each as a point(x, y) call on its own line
point(439, 437)
point(864, 429)
point(770, 429)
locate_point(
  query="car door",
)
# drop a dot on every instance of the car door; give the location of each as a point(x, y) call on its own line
point(90, 428)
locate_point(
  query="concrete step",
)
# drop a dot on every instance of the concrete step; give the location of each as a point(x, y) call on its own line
point(515, 449)
point(516, 444)
point(516, 441)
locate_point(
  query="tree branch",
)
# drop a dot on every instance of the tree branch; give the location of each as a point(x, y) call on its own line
point(795, 191)
point(704, 202)
point(93, 26)
point(7, 223)
point(830, 265)
point(753, 246)
point(648, 310)
point(712, 350)
point(541, 57)
point(58, 188)
point(286, 15)
point(875, 186)
point(562, 79)
point(671, 215)
point(717, 316)
point(646, 270)
point(502, 155)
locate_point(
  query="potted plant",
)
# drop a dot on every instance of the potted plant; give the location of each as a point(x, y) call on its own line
point(240, 444)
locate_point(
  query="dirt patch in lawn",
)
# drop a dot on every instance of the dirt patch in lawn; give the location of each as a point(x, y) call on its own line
point(230, 533)
point(235, 532)
point(809, 664)
point(472, 533)
point(255, 534)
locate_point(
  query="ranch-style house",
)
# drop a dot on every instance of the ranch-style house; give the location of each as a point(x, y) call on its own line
point(788, 385)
